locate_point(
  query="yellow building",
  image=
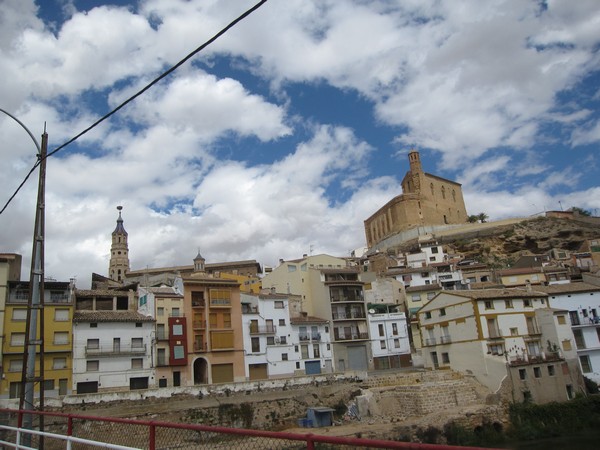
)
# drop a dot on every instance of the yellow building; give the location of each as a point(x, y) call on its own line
point(57, 339)
point(10, 270)
point(425, 200)
point(215, 346)
point(248, 284)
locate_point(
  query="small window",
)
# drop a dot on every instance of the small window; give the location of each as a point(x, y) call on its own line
point(278, 304)
point(281, 322)
point(416, 297)
point(283, 340)
point(92, 366)
point(586, 366)
point(445, 358)
point(138, 324)
point(522, 374)
point(19, 315)
point(270, 340)
point(297, 364)
point(15, 365)
point(48, 385)
point(381, 330)
point(178, 352)
point(396, 343)
point(508, 303)
point(284, 356)
point(489, 304)
point(382, 344)
point(428, 314)
point(61, 315)
point(93, 344)
point(160, 311)
point(137, 343)
point(430, 295)
point(93, 325)
point(442, 311)
point(537, 372)
point(514, 331)
point(17, 339)
point(527, 303)
point(562, 320)
point(59, 363)
point(177, 329)
point(551, 371)
point(137, 363)
point(566, 345)
point(61, 338)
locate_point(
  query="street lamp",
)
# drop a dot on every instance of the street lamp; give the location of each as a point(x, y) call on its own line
point(35, 302)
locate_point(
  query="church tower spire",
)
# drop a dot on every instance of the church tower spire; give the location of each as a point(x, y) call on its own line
point(119, 251)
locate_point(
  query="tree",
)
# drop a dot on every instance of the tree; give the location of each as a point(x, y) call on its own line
point(473, 218)
point(482, 217)
point(581, 211)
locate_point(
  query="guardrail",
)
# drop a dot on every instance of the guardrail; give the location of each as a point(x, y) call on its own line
point(127, 434)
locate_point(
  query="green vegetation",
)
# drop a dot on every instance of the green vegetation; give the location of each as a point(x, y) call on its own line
point(581, 211)
point(530, 421)
point(485, 435)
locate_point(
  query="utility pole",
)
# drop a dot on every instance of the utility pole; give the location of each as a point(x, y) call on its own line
point(34, 342)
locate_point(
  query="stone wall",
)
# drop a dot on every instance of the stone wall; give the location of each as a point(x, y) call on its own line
point(416, 394)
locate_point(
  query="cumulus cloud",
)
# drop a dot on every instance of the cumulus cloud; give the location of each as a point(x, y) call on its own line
point(218, 155)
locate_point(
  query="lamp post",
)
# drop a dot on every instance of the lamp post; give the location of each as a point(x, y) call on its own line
point(35, 303)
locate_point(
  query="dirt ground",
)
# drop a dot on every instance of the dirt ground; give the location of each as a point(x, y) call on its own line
point(179, 409)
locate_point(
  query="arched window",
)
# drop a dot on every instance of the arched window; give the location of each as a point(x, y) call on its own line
point(454, 195)
point(443, 192)
point(431, 187)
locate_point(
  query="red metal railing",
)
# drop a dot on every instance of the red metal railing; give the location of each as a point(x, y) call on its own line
point(90, 432)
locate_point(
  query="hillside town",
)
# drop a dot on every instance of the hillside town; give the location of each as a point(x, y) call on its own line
point(529, 332)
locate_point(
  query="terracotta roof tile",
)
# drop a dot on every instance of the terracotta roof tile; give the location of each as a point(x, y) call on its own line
point(110, 316)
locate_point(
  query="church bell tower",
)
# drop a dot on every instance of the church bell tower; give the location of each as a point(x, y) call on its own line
point(119, 251)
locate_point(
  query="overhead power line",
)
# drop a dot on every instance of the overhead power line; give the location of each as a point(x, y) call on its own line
point(136, 95)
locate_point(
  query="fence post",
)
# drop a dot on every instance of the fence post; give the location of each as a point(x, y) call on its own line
point(310, 444)
point(152, 437)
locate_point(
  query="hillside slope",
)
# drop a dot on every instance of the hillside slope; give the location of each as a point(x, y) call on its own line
point(502, 245)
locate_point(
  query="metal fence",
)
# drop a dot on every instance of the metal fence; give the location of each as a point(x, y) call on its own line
point(52, 431)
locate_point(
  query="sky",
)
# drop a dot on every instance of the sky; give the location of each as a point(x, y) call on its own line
point(281, 137)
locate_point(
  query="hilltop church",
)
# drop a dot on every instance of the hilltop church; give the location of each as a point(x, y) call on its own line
point(426, 200)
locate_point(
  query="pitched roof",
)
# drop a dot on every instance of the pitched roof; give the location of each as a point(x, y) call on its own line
point(567, 288)
point(306, 319)
point(110, 316)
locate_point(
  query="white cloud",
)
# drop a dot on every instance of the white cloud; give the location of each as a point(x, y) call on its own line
point(475, 82)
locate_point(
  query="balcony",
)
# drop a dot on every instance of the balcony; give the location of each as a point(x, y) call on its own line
point(200, 347)
point(430, 341)
point(310, 337)
point(543, 357)
point(495, 334)
point(347, 298)
point(263, 329)
point(446, 339)
point(347, 315)
point(198, 325)
point(351, 337)
point(110, 350)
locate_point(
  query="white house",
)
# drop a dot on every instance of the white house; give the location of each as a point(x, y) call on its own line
point(279, 344)
point(313, 343)
point(504, 337)
point(390, 343)
point(582, 300)
point(268, 349)
point(112, 350)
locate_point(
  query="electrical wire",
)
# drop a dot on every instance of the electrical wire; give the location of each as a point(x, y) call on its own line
point(137, 94)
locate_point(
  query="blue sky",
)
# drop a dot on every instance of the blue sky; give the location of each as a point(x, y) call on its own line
point(283, 136)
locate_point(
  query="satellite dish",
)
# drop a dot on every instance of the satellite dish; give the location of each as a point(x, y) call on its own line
point(371, 311)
